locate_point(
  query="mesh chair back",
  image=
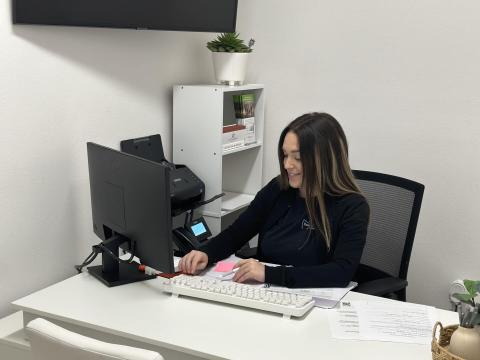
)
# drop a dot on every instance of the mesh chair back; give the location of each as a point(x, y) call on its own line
point(394, 209)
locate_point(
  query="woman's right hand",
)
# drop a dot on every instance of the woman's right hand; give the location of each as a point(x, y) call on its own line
point(193, 262)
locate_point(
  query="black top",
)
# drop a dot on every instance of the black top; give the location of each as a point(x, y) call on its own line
point(292, 240)
point(286, 237)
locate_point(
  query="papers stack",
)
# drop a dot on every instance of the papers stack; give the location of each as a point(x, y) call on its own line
point(383, 321)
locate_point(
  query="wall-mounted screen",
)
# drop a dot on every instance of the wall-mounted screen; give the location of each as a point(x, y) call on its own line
point(181, 15)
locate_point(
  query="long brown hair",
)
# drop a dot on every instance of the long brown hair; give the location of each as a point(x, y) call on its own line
point(324, 157)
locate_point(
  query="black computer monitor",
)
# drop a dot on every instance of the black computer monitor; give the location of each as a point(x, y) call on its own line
point(130, 205)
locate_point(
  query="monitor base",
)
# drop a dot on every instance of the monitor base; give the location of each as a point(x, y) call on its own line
point(127, 273)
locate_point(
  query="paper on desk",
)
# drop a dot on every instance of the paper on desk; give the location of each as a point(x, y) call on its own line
point(326, 298)
point(383, 321)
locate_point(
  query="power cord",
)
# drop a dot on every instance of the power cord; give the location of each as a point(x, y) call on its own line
point(95, 251)
point(100, 248)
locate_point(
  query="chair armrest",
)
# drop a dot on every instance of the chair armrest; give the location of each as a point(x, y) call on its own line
point(381, 287)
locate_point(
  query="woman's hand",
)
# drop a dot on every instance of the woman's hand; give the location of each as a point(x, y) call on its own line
point(193, 262)
point(249, 269)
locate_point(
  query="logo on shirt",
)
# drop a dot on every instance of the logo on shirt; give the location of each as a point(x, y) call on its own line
point(306, 225)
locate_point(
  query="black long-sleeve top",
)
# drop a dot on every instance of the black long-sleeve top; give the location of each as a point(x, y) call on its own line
point(348, 216)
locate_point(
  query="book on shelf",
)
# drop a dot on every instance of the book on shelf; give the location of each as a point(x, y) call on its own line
point(233, 127)
point(233, 136)
point(244, 105)
point(249, 124)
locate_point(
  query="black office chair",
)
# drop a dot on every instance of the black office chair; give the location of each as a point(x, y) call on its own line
point(394, 209)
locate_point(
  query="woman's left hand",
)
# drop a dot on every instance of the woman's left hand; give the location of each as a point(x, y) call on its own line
point(249, 269)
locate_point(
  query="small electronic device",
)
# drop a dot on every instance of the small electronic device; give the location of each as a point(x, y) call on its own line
point(191, 235)
point(199, 229)
point(130, 205)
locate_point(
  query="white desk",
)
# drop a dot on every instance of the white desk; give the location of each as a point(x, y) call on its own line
point(140, 314)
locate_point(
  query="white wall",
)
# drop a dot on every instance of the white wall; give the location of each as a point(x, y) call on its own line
point(403, 78)
point(59, 88)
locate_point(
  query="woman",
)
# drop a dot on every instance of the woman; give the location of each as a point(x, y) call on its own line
point(311, 219)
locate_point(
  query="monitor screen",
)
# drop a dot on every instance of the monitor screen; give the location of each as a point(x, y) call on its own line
point(130, 198)
point(184, 15)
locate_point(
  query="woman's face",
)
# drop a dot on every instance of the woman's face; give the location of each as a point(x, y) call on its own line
point(291, 160)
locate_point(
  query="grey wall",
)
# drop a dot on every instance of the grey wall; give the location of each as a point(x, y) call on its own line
point(403, 79)
point(401, 76)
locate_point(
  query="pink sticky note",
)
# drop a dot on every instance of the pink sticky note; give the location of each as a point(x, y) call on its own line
point(224, 266)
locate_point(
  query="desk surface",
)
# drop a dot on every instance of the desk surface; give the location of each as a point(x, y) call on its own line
point(142, 312)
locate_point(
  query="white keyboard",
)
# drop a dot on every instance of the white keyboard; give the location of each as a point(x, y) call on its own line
point(238, 294)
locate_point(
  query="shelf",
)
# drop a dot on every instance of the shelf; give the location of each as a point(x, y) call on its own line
point(227, 88)
point(231, 202)
point(244, 147)
point(238, 169)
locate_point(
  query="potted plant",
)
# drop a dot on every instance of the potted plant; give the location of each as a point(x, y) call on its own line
point(465, 340)
point(230, 56)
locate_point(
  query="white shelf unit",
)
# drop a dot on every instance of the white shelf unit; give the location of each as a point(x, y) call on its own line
point(199, 114)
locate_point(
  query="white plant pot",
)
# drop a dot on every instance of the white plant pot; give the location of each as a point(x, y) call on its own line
point(230, 68)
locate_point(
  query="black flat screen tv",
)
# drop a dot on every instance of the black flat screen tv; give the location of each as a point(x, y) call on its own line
point(180, 15)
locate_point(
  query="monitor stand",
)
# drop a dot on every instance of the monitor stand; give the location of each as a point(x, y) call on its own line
point(112, 272)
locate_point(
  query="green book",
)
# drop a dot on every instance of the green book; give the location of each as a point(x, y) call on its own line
point(244, 105)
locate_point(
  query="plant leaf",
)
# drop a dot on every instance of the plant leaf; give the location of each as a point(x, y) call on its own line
point(228, 42)
point(463, 297)
point(471, 286)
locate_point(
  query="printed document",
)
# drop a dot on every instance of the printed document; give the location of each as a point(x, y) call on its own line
point(383, 321)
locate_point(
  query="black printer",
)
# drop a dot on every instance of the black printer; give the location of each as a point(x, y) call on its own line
point(185, 187)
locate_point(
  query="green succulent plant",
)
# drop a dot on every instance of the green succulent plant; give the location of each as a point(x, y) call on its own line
point(230, 42)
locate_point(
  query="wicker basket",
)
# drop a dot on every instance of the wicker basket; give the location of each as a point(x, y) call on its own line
point(440, 347)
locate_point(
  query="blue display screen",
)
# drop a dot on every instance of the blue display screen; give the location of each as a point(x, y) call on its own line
point(198, 229)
